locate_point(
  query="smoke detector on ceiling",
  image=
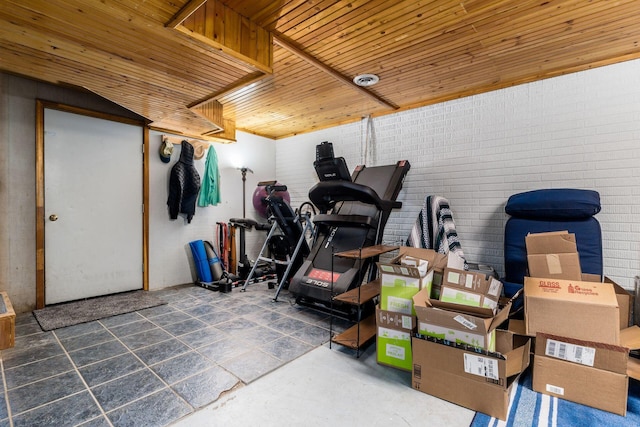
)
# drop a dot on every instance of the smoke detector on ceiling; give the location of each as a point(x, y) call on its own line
point(366, 79)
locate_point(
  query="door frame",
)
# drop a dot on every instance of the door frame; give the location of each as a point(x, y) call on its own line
point(41, 105)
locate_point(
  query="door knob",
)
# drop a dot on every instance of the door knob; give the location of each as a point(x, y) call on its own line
point(53, 217)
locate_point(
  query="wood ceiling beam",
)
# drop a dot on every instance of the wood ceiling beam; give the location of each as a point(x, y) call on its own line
point(235, 86)
point(185, 12)
point(283, 43)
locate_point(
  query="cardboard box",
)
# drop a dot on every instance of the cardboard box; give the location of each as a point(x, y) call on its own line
point(437, 262)
point(572, 308)
point(407, 273)
point(625, 302)
point(398, 285)
point(553, 255)
point(589, 373)
point(470, 288)
point(393, 339)
point(7, 322)
point(480, 381)
point(471, 325)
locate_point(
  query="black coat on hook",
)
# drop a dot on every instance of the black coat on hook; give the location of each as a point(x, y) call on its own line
point(184, 185)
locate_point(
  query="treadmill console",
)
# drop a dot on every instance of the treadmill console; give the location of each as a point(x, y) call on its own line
point(328, 167)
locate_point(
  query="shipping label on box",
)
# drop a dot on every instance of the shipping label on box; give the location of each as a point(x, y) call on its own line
point(575, 309)
point(553, 255)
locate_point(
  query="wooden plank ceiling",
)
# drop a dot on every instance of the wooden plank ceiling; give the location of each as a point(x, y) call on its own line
point(279, 68)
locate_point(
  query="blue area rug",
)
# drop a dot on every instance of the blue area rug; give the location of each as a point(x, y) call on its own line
point(528, 408)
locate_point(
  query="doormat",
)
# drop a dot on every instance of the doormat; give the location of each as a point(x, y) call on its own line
point(76, 312)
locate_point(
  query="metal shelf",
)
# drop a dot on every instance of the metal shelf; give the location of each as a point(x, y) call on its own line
point(365, 329)
point(357, 335)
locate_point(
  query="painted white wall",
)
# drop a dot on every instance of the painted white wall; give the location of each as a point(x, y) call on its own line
point(580, 130)
point(169, 261)
point(169, 254)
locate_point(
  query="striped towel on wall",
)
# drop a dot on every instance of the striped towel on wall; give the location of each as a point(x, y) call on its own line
point(435, 228)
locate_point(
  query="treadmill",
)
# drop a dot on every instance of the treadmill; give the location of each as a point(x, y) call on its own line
point(353, 213)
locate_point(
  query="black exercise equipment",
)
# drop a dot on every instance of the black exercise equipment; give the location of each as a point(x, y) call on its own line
point(286, 241)
point(353, 214)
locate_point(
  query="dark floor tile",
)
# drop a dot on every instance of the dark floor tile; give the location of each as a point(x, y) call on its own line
point(259, 334)
point(101, 421)
point(186, 303)
point(126, 389)
point(72, 410)
point(86, 340)
point(27, 329)
point(202, 337)
point(288, 325)
point(121, 319)
point(76, 330)
point(168, 319)
point(25, 374)
point(286, 348)
point(107, 370)
point(197, 292)
point(35, 394)
point(131, 328)
point(217, 317)
point(143, 339)
point(225, 349)
point(185, 327)
point(23, 355)
point(201, 310)
point(156, 311)
point(181, 367)
point(245, 309)
point(236, 324)
point(308, 315)
point(97, 353)
point(204, 388)
point(4, 413)
point(251, 365)
point(312, 334)
point(25, 319)
point(264, 317)
point(158, 352)
point(145, 412)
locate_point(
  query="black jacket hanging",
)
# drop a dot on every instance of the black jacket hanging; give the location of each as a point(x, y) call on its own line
point(184, 185)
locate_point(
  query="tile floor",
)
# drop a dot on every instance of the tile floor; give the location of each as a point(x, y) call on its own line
point(154, 366)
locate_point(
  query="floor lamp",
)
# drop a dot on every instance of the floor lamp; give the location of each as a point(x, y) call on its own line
point(244, 171)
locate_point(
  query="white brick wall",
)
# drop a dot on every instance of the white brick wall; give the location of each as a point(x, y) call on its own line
point(581, 130)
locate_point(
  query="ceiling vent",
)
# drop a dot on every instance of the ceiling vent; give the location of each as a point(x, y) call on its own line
point(366, 79)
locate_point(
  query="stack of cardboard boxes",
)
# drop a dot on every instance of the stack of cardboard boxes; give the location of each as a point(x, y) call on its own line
point(443, 324)
point(581, 327)
point(404, 276)
point(459, 354)
point(440, 322)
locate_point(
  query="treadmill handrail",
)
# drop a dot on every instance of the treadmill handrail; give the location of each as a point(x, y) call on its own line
point(326, 194)
point(337, 220)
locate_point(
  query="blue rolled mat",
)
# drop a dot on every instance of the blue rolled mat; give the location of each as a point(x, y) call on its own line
point(200, 260)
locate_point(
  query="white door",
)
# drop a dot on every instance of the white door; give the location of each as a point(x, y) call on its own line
point(93, 175)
